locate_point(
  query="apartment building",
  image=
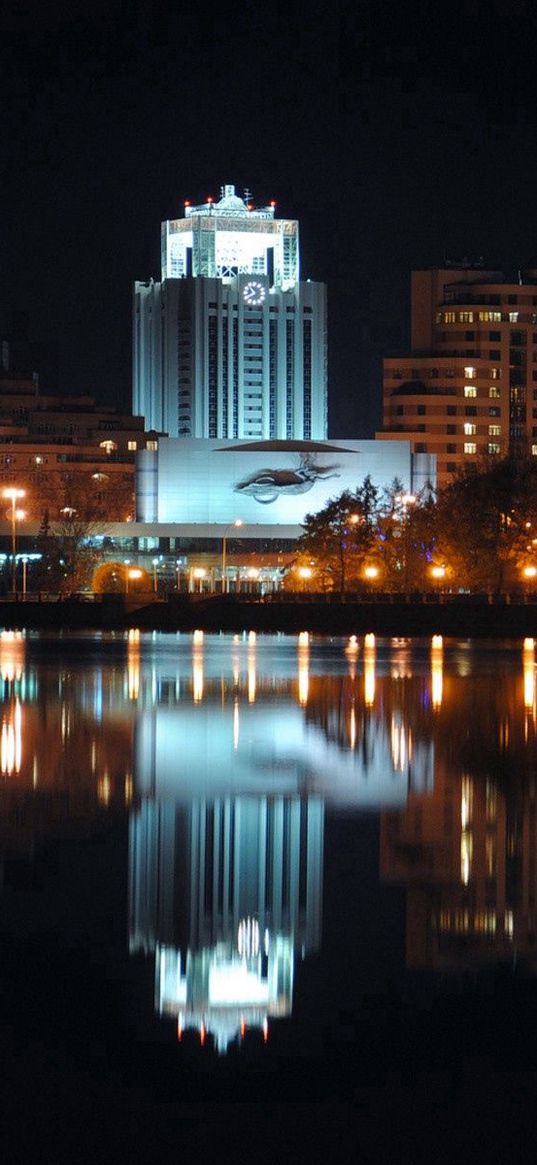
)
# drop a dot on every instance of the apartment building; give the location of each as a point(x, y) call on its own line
point(467, 390)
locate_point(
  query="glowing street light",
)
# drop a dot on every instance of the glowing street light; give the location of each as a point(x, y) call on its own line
point(199, 573)
point(133, 573)
point(13, 494)
point(438, 572)
point(529, 572)
point(237, 522)
point(371, 573)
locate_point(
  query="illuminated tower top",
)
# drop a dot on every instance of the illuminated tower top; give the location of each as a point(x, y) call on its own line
point(219, 240)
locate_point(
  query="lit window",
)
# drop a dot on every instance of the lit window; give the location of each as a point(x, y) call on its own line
point(513, 317)
point(470, 390)
point(108, 445)
point(494, 391)
point(493, 448)
point(494, 430)
point(469, 429)
point(449, 317)
point(132, 445)
point(152, 446)
point(495, 373)
point(469, 373)
point(466, 317)
point(534, 450)
point(470, 447)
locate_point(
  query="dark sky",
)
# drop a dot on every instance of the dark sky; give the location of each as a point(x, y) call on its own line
point(397, 133)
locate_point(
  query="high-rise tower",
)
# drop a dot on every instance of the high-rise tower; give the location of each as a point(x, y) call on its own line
point(231, 343)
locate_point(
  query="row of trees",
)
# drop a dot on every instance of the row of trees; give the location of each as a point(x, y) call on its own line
point(478, 534)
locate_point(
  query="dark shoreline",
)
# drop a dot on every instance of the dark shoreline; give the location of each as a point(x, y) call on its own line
point(466, 617)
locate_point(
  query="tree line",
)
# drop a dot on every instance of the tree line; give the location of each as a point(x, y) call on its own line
point(478, 534)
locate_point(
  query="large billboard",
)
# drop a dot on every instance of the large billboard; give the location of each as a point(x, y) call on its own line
point(268, 482)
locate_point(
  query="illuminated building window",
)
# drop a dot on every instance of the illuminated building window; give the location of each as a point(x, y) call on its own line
point(513, 317)
point(534, 450)
point(449, 317)
point(470, 447)
point(470, 429)
point(495, 373)
point(132, 445)
point(470, 390)
point(470, 373)
point(490, 316)
point(494, 391)
point(108, 445)
point(152, 446)
point(493, 448)
point(494, 430)
point(466, 317)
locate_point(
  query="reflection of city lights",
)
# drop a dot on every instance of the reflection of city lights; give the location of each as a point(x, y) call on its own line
point(369, 670)
point(251, 678)
point(133, 663)
point(11, 741)
point(352, 646)
point(466, 802)
point(248, 938)
point(12, 655)
point(104, 789)
point(236, 725)
point(528, 664)
point(352, 729)
point(466, 856)
point(437, 671)
point(303, 667)
point(197, 667)
point(401, 752)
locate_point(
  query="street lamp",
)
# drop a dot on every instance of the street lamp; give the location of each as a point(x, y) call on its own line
point(199, 573)
point(237, 522)
point(133, 572)
point(13, 494)
point(155, 564)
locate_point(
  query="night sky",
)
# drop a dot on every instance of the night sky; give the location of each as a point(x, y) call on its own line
point(398, 134)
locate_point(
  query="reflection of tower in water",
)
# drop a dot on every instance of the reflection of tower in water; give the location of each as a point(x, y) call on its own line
point(225, 892)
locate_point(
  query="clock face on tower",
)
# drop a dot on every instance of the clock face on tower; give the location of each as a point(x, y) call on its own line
point(253, 293)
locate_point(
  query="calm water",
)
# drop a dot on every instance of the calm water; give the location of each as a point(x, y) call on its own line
point(241, 869)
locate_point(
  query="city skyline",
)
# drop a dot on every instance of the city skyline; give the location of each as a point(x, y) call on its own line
point(396, 139)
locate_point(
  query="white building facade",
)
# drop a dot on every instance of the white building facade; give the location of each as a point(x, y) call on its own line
point(231, 343)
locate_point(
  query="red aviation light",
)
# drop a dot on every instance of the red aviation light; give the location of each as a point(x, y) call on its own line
point(273, 202)
point(202, 1034)
point(187, 202)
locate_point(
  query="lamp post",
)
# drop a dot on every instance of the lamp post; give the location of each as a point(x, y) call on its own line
point(13, 494)
point(155, 564)
point(237, 522)
point(133, 572)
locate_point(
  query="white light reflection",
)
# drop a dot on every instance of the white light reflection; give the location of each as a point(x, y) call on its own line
point(197, 667)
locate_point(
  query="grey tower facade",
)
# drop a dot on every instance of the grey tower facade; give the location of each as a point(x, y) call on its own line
point(231, 343)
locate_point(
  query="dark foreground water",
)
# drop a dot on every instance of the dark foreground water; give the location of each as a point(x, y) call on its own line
point(267, 897)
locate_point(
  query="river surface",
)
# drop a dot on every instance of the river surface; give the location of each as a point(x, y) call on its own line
point(271, 870)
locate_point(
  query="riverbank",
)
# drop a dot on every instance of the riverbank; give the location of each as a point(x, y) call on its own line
point(455, 616)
